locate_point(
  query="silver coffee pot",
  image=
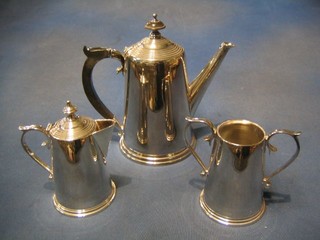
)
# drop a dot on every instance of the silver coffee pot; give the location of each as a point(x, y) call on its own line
point(158, 95)
point(78, 147)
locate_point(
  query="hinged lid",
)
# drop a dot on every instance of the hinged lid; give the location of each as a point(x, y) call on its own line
point(155, 47)
point(72, 127)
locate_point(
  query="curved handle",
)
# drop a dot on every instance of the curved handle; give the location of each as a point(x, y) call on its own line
point(294, 135)
point(208, 138)
point(25, 146)
point(94, 56)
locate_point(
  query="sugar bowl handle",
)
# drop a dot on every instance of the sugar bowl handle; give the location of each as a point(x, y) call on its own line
point(208, 138)
point(294, 135)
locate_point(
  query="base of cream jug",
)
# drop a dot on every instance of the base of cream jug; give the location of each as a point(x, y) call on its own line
point(87, 211)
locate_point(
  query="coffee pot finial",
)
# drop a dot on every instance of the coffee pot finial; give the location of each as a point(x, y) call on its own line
point(155, 24)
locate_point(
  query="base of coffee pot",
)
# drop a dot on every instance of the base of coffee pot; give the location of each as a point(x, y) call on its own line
point(86, 211)
point(155, 159)
point(227, 220)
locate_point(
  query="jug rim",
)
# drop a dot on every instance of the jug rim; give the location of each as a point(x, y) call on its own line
point(238, 134)
point(99, 126)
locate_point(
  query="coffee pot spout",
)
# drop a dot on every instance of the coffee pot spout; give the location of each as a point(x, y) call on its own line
point(199, 85)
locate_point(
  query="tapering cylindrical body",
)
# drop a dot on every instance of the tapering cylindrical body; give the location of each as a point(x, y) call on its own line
point(81, 177)
point(233, 191)
point(78, 147)
point(155, 108)
point(233, 187)
point(158, 95)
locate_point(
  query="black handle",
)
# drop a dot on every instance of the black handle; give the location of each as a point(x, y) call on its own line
point(94, 56)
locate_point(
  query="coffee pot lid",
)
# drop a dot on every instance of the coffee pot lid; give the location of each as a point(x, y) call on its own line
point(155, 47)
point(72, 127)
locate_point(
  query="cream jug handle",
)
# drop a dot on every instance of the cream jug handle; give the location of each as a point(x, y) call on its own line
point(294, 135)
point(208, 138)
point(25, 146)
point(94, 56)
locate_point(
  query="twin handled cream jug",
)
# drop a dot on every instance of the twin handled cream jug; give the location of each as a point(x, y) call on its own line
point(235, 176)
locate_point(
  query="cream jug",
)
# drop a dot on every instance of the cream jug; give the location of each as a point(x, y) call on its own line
point(158, 95)
point(78, 147)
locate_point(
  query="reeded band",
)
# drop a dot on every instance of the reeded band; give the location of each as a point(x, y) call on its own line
point(87, 211)
point(155, 159)
point(229, 221)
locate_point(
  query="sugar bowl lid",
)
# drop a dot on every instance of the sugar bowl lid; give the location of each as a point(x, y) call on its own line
point(72, 127)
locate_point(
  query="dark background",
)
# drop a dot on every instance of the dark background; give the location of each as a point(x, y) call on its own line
point(271, 77)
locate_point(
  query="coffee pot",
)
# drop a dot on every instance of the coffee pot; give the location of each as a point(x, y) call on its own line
point(78, 147)
point(158, 95)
